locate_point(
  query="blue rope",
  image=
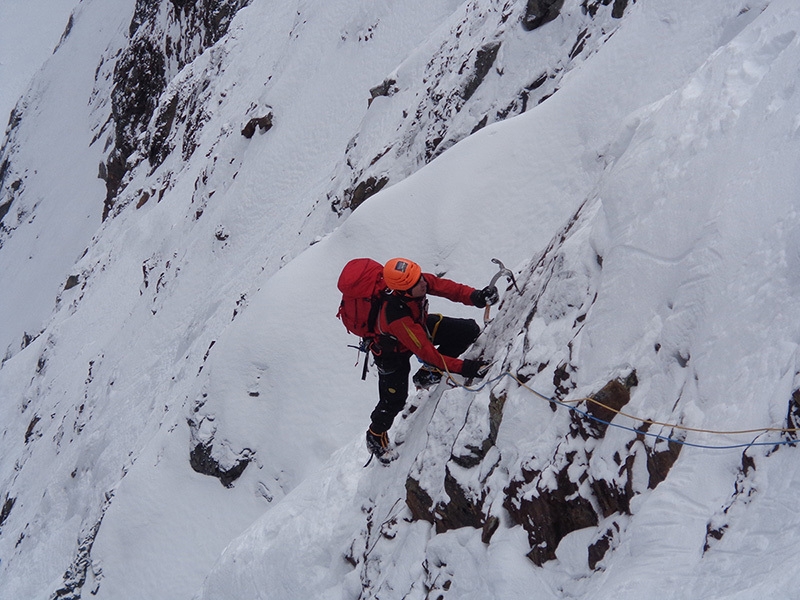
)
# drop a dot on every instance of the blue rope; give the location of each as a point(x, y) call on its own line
point(591, 417)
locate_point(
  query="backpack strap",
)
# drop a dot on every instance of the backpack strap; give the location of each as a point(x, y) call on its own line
point(374, 311)
point(367, 343)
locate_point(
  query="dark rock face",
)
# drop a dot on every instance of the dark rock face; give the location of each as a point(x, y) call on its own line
point(619, 8)
point(262, 124)
point(5, 511)
point(12, 182)
point(213, 456)
point(143, 71)
point(793, 415)
point(464, 506)
point(580, 498)
point(356, 196)
point(139, 79)
point(419, 502)
point(603, 407)
point(484, 59)
point(551, 515)
point(539, 12)
point(617, 11)
point(202, 461)
point(386, 88)
point(561, 495)
point(4, 210)
point(463, 509)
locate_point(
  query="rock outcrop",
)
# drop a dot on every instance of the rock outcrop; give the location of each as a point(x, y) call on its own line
point(423, 108)
point(582, 478)
point(165, 36)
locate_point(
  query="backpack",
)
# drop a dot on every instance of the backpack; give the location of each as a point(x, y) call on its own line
point(361, 283)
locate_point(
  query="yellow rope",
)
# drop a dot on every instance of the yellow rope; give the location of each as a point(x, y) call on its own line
point(596, 402)
point(652, 422)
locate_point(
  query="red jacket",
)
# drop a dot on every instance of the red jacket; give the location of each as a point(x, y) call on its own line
point(404, 318)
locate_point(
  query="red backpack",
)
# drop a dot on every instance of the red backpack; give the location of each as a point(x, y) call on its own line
point(361, 283)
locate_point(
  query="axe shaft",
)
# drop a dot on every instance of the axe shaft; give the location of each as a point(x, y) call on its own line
point(503, 272)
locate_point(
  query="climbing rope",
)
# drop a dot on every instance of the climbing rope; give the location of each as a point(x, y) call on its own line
point(571, 405)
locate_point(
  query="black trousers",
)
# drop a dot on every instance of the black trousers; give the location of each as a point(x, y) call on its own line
point(451, 336)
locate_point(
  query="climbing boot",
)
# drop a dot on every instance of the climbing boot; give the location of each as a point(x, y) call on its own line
point(378, 445)
point(426, 378)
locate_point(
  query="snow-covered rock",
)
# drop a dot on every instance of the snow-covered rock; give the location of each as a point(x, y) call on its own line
point(181, 416)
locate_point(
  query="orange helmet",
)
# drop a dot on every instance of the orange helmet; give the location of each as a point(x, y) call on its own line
point(401, 274)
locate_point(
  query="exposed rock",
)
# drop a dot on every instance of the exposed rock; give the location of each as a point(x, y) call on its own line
point(580, 43)
point(9, 192)
point(139, 79)
point(619, 8)
point(604, 405)
point(72, 281)
point(659, 464)
point(363, 190)
point(114, 172)
point(5, 511)
point(744, 489)
point(202, 461)
point(539, 12)
point(463, 504)
point(489, 528)
point(480, 124)
point(591, 7)
point(143, 199)
point(568, 495)
point(159, 148)
point(598, 550)
point(615, 496)
point(460, 510)
point(418, 501)
point(4, 210)
point(562, 380)
point(548, 515)
point(386, 88)
point(77, 574)
point(713, 533)
point(463, 88)
point(471, 455)
point(31, 431)
point(263, 124)
point(793, 416)
point(617, 11)
point(141, 75)
point(214, 456)
point(484, 59)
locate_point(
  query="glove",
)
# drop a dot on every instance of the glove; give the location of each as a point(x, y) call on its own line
point(487, 295)
point(475, 368)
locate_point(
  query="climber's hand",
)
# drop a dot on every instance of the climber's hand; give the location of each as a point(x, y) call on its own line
point(475, 368)
point(485, 297)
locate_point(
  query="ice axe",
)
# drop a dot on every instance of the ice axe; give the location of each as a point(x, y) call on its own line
point(503, 272)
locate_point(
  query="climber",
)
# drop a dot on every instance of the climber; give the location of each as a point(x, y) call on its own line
point(404, 327)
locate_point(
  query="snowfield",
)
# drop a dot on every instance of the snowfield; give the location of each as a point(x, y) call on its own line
point(182, 417)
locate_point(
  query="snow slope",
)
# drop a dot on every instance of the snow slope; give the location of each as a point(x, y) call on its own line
point(31, 31)
point(692, 218)
point(673, 143)
point(53, 174)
